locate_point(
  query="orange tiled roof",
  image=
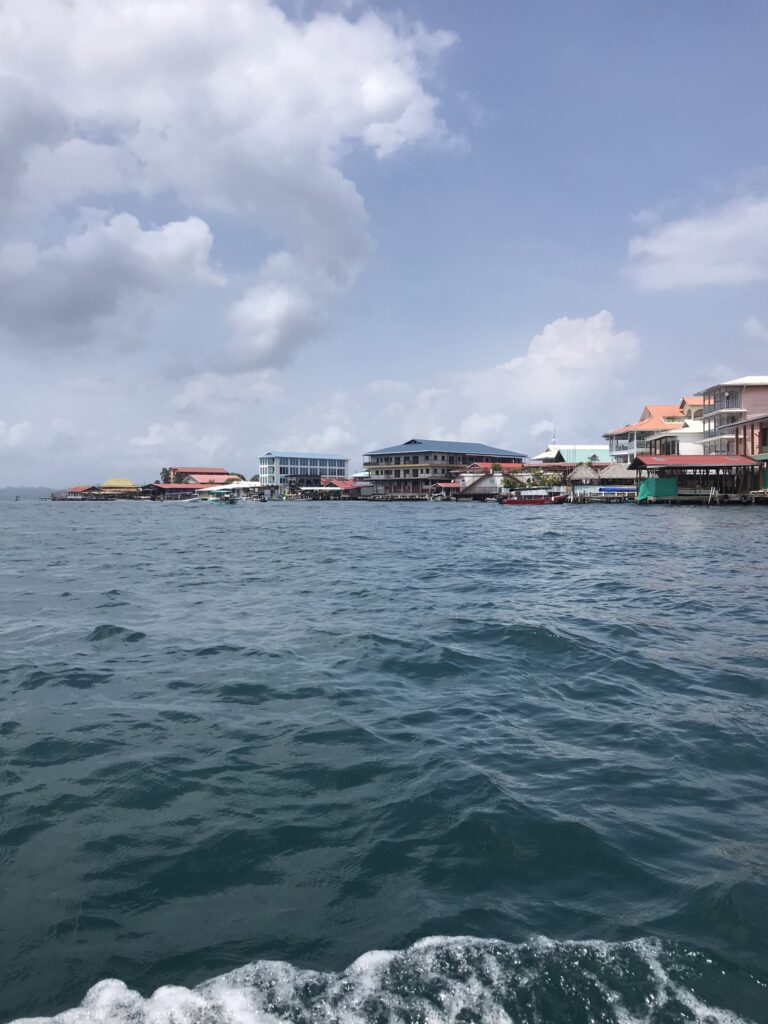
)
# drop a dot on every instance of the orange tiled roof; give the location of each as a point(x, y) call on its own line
point(653, 418)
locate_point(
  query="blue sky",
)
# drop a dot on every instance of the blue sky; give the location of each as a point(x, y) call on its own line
point(231, 225)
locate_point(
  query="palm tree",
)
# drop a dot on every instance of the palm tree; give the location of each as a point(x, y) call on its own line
point(165, 475)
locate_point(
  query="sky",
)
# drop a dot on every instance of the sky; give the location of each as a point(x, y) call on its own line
point(235, 226)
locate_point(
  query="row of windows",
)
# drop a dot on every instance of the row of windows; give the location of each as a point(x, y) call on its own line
point(285, 464)
point(405, 460)
point(415, 473)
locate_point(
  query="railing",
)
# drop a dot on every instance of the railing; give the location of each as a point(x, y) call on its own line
point(732, 402)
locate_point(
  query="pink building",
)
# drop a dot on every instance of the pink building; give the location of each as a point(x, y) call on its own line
point(734, 416)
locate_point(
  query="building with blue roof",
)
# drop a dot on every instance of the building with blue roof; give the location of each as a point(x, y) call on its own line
point(417, 466)
point(285, 470)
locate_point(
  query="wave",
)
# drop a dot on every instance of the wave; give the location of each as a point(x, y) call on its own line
point(439, 979)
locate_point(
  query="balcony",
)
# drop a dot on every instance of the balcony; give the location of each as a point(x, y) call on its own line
point(712, 412)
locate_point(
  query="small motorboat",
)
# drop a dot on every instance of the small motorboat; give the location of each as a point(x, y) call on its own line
point(222, 499)
point(544, 499)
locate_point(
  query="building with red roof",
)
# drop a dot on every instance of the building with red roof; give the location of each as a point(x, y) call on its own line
point(198, 475)
point(659, 424)
point(698, 478)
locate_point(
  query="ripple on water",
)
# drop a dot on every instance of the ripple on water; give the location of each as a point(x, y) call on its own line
point(320, 729)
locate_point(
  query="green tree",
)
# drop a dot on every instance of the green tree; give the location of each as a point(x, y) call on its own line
point(165, 475)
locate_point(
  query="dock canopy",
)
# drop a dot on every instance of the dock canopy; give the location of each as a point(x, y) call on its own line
point(704, 462)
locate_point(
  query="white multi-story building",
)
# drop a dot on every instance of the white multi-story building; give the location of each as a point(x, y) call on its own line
point(627, 442)
point(280, 469)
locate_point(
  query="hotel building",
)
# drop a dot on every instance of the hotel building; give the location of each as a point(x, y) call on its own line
point(285, 470)
point(417, 466)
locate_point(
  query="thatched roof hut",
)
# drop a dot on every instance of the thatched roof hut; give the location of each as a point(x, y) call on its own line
point(118, 483)
point(617, 473)
point(584, 474)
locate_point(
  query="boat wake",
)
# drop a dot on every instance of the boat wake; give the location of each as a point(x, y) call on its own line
point(461, 980)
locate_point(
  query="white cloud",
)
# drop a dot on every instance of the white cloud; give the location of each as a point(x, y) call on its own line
point(214, 392)
point(387, 386)
point(483, 426)
point(754, 328)
point(570, 374)
point(542, 427)
point(14, 434)
point(332, 438)
point(70, 292)
point(171, 439)
point(726, 245)
point(231, 107)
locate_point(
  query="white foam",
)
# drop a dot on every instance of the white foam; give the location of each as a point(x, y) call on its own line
point(439, 980)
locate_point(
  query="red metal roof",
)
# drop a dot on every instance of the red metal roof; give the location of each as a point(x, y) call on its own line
point(199, 469)
point(487, 467)
point(452, 484)
point(209, 478)
point(341, 482)
point(692, 461)
point(561, 467)
point(80, 488)
point(177, 487)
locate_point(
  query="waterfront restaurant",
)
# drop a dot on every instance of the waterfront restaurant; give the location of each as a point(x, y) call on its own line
point(695, 478)
point(417, 466)
point(81, 492)
point(171, 492)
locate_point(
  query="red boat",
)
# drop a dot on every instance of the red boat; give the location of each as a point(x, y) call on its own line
point(548, 499)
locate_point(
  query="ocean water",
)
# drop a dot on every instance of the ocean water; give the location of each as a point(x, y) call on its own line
point(349, 762)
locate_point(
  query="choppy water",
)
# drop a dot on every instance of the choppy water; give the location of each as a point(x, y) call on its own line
point(244, 748)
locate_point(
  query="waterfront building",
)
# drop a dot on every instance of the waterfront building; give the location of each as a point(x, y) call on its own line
point(171, 492)
point(418, 465)
point(733, 416)
point(197, 475)
point(616, 473)
point(81, 492)
point(482, 479)
point(584, 481)
point(573, 453)
point(289, 471)
point(336, 489)
point(119, 487)
point(695, 478)
point(631, 440)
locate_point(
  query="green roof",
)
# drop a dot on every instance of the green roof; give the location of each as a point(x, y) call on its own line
point(583, 453)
